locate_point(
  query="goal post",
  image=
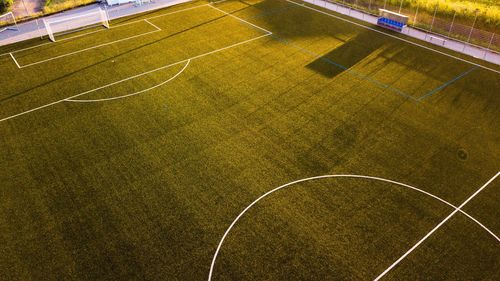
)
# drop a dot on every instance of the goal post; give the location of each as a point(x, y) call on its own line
point(8, 22)
point(72, 23)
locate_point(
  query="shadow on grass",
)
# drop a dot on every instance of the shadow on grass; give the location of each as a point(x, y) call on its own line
point(344, 57)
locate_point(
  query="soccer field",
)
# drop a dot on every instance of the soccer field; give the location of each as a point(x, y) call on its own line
point(247, 140)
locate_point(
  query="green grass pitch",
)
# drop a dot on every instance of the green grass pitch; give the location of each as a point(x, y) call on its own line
point(127, 153)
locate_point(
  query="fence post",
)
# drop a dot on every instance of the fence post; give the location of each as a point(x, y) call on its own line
point(416, 13)
point(472, 27)
point(491, 40)
point(36, 20)
point(434, 17)
point(489, 45)
point(452, 22)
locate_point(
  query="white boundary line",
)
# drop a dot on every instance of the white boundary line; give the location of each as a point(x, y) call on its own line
point(457, 209)
point(114, 83)
point(436, 228)
point(77, 95)
point(132, 37)
point(146, 20)
point(132, 94)
point(240, 19)
point(393, 36)
point(100, 30)
point(94, 47)
point(14, 59)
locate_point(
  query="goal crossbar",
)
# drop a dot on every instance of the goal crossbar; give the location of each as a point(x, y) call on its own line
point(75, 23)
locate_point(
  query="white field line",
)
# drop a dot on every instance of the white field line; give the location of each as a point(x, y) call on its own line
point(135, 36)
point(111, 27)
point(393, 36)
point(72, 37)
point(457, 209)
point(154, 25)
point(436, 228)
point(71, 99)
point(93, 47)
point(13, 58)
point(178, 11)
point(132, 94)
point(217, 2)
point(242, 20)
point(132, 77)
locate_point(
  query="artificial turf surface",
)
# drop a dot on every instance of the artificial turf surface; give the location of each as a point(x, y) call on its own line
point(143, 187)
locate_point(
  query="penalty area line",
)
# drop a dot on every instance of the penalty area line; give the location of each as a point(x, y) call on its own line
point(436, 228)
point(111, 27)
point(154, 25)
point(14, 59)
point(242, 20)
point(144, 73)
point(90, 48)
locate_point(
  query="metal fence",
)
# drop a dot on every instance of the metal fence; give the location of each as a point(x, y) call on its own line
point(458, 25)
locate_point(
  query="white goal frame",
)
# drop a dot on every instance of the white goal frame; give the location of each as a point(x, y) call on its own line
point(9, 27)
point(49, 23)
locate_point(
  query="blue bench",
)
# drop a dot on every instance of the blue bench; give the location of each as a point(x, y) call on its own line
point(391, 24)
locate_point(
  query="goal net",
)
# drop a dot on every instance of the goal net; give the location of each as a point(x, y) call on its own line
point(8, 22)
point(72, 23)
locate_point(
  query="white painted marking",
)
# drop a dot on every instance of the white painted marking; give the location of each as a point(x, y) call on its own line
point(192, 58)
point(90, 48)
point(231, 46)
point(436, 228)
point(14, 59)
point(393, 36)
point(240, 19)
point(219, 246)
point(157, 28)
point(480, 224)
point(135, 36)
point(111, 27)
point(132, 94)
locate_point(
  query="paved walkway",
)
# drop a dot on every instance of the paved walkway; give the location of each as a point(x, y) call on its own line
point(435, 39)
point(29, 7)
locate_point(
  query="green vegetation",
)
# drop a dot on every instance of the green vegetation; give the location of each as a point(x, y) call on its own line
point(488, 11)
point(143, 187)
point(5, 5)
point(453, 18)
point(54, 6)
